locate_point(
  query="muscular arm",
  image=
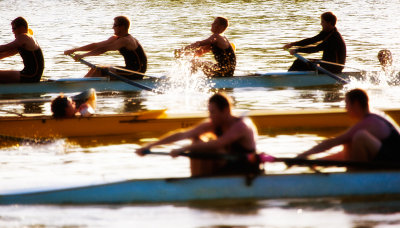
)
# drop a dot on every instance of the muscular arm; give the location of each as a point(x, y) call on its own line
point(336, 141)
point(189, 134)
point(94, 48)
point(201, 47)
point(9, 53)
point(238, 131)
point(11, 47)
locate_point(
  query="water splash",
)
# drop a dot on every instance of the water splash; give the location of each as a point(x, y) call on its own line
point(376, 79)
point(382, 86)
point(184, 90)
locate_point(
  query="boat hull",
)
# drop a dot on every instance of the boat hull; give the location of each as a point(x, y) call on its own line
point(154, 126)
point(218, 188)
point(278, 79)
point(155, 123)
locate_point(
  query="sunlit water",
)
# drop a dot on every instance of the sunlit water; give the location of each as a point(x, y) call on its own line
point(259, 29)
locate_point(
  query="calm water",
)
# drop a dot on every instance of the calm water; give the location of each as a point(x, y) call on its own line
point(259, 29)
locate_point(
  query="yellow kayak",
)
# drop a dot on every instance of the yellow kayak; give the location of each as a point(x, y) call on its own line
point(157, 122)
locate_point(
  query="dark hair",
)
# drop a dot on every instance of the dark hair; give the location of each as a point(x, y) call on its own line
point(358, 95)
point(220, 100)
point(329, 17)
point(385, 57)
point(58, 106)
point(223, 22)
point(122, 21)
point(19, 21)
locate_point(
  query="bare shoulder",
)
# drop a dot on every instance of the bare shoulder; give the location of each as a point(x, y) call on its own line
point(213, 38)
point(130, 42)
point(244, 123)
point(113, 38)
point(222, 41)
point(374, 119)
point(23, 38)
point(204, 126)
point(26, 41)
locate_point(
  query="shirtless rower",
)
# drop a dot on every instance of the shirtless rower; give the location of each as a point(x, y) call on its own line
point(26, 45)
point(221, 48)
point(372, 138)
point(230, 135)
point(128, 46)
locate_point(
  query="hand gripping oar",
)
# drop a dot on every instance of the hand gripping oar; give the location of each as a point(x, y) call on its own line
point(337, 78)
point(121, 78)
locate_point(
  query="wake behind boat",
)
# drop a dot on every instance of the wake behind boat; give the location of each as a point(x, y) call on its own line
point(266, 80)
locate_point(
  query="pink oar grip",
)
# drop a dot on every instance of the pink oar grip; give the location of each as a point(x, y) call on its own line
point(266, 158)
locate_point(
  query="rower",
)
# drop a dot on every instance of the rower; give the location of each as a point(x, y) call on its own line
point(227, 134)
point(128, 46)
point(26, 45)
point(221, 48)
point(372, 138)
point(331, 43)
point(65, 107)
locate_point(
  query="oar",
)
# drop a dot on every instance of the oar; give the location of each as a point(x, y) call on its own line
point(121, 78)
point(136, 72)
point(265, 158)
point(337, 78)
point(338, 64)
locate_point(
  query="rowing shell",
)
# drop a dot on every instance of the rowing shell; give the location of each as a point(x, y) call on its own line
point(273, 79)
point(309, 185)
point(157, 122)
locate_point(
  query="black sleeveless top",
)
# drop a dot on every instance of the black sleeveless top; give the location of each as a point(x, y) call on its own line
point(390, 148)
point(33, 65)
point(226, 60)
point(135, 60)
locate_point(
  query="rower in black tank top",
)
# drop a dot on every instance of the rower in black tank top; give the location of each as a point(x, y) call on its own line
point(33, 65)
point(390, 148)
point(226, 62)
point(135, 60)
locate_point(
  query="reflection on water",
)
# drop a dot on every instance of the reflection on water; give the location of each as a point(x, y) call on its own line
point(252, 214)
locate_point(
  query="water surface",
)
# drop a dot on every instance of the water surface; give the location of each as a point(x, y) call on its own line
point(259, 29)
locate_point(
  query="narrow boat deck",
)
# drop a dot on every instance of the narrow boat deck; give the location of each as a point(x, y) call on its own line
point(271, 79)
